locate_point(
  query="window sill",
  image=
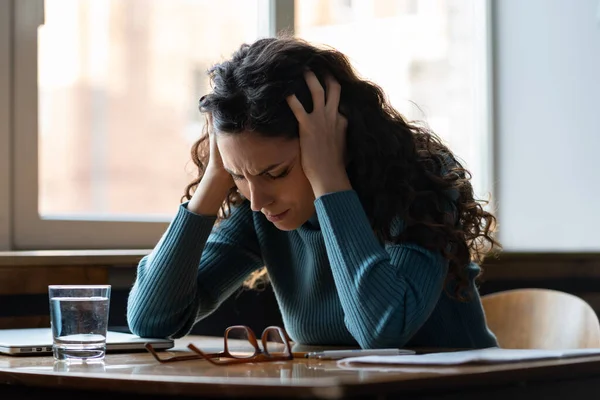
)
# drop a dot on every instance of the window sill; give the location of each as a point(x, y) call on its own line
point(506, 266)
point(49, 258)
point(541, 265)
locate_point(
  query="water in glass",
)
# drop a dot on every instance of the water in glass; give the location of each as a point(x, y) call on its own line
point(79, 326)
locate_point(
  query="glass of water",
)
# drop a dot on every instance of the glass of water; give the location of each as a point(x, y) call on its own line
point(79, 320)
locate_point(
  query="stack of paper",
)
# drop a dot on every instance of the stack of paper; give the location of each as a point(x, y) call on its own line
point(488, 356)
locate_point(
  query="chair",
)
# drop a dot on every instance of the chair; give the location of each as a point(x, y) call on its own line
point(541, 319)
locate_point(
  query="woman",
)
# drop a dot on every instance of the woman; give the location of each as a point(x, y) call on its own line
point(366, 224)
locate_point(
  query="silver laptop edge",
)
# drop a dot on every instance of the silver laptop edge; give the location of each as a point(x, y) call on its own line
point(122, 342)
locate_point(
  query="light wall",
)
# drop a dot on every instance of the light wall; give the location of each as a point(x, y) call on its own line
point(547, 124)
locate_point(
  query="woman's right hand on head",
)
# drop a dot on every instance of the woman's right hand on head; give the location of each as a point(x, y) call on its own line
point(215, 167)
point(215, 183)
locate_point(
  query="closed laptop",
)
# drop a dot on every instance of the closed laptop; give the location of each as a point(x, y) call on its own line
point(30, 341)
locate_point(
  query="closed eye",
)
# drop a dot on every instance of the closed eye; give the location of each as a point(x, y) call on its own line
point(281, 175)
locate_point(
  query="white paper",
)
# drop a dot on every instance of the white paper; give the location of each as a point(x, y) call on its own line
point(489, 356)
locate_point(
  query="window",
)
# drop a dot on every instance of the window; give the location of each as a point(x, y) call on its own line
point(429, 56)
point(104, 95)
point(106, 161)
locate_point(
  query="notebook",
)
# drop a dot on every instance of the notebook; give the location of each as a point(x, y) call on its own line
point(492, 355)
point(39, 341)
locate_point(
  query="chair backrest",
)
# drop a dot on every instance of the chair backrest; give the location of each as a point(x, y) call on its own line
point(541, 319)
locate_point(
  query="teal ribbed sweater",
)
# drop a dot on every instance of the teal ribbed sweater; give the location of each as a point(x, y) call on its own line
point(334, 282)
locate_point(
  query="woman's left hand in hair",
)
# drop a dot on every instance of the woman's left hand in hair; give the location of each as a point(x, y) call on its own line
point(322, 137)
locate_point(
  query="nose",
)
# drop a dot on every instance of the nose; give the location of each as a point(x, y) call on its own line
point(259, 198)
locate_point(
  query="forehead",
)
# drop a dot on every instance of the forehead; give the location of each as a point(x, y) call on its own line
point(249, 151)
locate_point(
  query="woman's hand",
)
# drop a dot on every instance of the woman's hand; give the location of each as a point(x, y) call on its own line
point(215, 162)
point(322, 137)
point(216, 181)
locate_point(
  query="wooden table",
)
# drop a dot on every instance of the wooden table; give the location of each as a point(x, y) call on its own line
point(139, 376)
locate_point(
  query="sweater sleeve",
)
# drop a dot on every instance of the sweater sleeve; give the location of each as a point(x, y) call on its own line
point(194, 267)
point(387, 292)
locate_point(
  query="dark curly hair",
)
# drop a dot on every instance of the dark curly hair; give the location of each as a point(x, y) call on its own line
point(399, 169)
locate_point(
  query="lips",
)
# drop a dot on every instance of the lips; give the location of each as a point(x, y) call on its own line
point(276, 217)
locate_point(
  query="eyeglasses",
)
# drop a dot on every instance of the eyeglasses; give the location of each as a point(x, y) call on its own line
point(240, 346)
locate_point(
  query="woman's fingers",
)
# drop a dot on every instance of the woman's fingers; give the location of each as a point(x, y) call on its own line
point(316, 90)
point(334, 89)
point(329, 104)
point(296, 107)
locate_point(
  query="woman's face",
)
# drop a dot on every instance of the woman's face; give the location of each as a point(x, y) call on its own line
point(268, 172)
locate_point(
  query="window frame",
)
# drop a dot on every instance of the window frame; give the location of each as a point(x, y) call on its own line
point(5, 124)
point(21, 227)
point(484, 103)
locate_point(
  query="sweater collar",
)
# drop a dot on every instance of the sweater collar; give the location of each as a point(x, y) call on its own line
point(313, 221)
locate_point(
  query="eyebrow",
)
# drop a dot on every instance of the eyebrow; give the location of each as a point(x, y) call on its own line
point(264, 171)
